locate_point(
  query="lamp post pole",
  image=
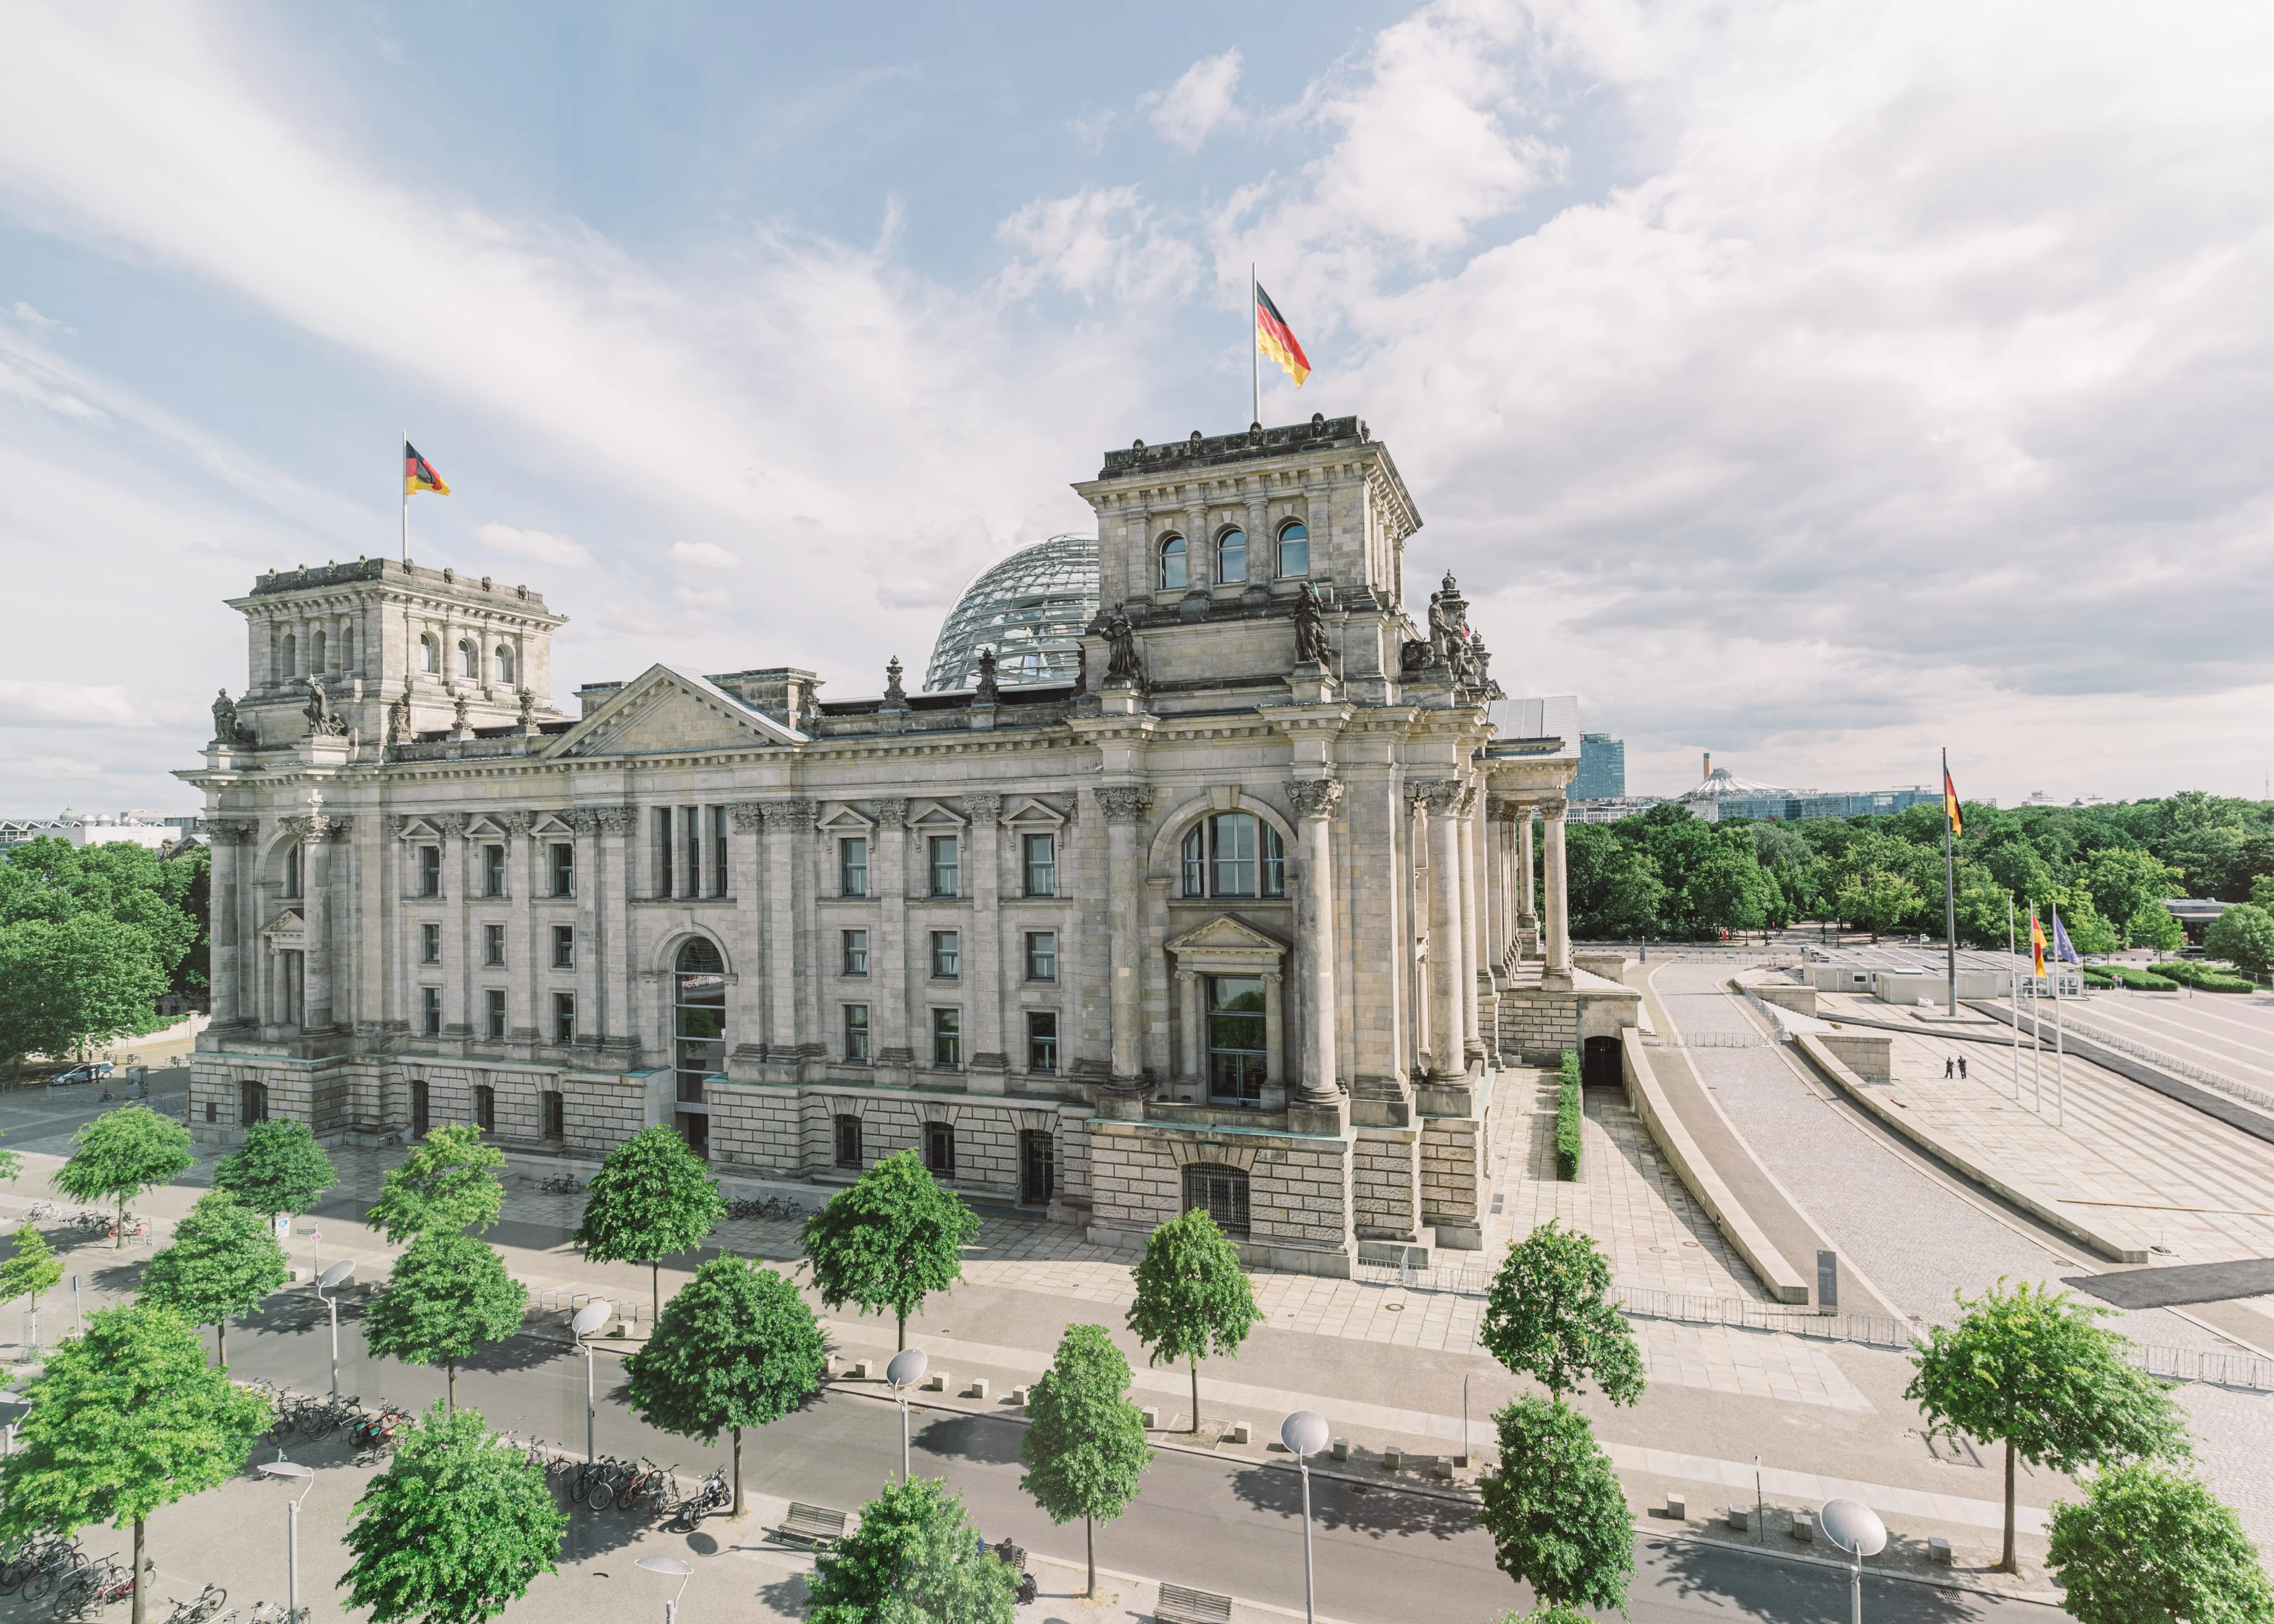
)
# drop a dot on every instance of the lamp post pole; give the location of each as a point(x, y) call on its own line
point(906, 1369)
point(673, 1566)
point(589, 1319)
point(1305, 1434)
point(333, 1279)
point(291, 1472)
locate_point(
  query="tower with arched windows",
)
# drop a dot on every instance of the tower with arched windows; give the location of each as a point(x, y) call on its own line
point(1244, 893)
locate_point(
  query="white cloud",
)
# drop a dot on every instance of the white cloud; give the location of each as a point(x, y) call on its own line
point(702, 555)
point(1200, 103)
point(32, 318)
point(543, 546)
point(65, 705)
point(707, 598)
point(1105, 241)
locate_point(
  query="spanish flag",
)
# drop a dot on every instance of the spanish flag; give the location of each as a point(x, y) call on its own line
point(2037, 943)
point(1275, 338)
point(1950, 803)
point(419, 474)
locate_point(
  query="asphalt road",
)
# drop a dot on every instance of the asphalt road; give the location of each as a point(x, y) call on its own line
point(1225, 1525)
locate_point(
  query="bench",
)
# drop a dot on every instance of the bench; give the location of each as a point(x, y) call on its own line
point(812, 1525)
point(1179, 1606)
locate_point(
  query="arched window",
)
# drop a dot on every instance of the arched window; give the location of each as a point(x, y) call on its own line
point(1174, 575)
point(316, 664)
point(430, 654)
point(1294, 549)
point(1219, 1191)
point(699, 1017)
point(1234, 854)
point(470, 660)
point(292, 870)
point(1231, 557)
point(505, 665)
point(292, 655)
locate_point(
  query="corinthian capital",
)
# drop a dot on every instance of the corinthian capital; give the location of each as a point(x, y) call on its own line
point(892, 813)
point(785, 816)
point(1434, 794)
point(1314, 797)
point(581, 820)
point(1554, 810)
point(335, 827)
point(231, 831)
point(451, 823)
point(1123, 803)
point(749, 816)
point(616, 820)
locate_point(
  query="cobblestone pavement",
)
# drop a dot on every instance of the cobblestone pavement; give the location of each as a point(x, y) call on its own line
point(1919, 1240)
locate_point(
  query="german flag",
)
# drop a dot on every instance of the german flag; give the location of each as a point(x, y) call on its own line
point(1275, 338)
point(419, 474)
point(1950, 803)
point(2037, 943)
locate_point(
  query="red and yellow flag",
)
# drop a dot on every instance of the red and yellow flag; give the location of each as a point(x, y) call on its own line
point(2037, 943)
point(1950, 803)
point(419, 474)
point(1275, 338)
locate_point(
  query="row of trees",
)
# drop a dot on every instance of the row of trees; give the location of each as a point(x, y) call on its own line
point(91, 939)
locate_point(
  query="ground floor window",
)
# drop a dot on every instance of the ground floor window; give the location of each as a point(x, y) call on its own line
point(939, 1148)
point(849, 1142)
point(485, 1108)
point(1041, 1040)
point(556, 1124)
point(420, 1118)
point(1235, 1038)
point(252, 1102)
point(1219, 1191)
point(695, 1128)
point(1037, 1167)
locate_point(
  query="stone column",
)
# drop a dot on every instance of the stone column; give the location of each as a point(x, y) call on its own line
point(982, 974)
point(889, 1037)
point(1495, 868)
point(316, 882)
point(1558, 972)
point(585, 825)
point(522, 880)
point(746, 861)
point(1316, 949)
point(1473, 941)
point(227, 959)
point(1447, 1026)
point(1124, 807)
point(1188, 1005)
point(614, 945)
point(1527, 910)
point(1275, 1030)
point(456, 951)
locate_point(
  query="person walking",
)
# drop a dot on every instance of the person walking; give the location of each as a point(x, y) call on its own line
point(1949, 1066)
point(1961, 1068)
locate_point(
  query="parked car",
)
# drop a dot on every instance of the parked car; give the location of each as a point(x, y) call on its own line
point(93, 1071)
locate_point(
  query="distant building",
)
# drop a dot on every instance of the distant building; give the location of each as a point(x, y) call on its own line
point(96, 828)
point(1611, 808)
point(1602, 768)
point(1725, 794)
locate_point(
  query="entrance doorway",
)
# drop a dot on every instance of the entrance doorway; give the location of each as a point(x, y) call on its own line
point(1037, 1168)
point(1599, 1063)
point(419, 1120)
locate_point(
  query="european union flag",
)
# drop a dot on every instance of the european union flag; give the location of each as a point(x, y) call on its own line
point(2064, 949)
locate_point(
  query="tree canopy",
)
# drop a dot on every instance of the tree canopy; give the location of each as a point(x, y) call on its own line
point(2244, 937)
point(738, 1347)
point(447, 1294)
point(1557, 1517)
point(914, 1559)
point(123, 1153)
point(279, 1168)
point(455, 1530)
point(223, 1260)
point(1551, 1314)
point(31, 1269)
point(2034, 1369)
point(652, 1197)
point(1085, 1448)
point(1192, 1300)
point(447, 1184)
point(892, 1240)
point(2151, 1544)
point(70, 983)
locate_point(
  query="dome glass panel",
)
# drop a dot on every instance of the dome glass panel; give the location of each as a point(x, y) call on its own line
point(1030, 609)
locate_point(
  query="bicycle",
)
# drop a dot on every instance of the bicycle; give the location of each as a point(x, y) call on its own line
point(89, 1590)
point(560, 1184)
point(746, 1207)
point(652, 1486)
point(49, 1554)
point(43, 1209)
point(270, 1612)
point(208, 1603)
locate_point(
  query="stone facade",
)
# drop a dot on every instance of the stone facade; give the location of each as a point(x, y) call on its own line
point(1245, 914)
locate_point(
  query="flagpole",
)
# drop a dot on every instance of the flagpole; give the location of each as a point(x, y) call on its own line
point(1949, 889)
point(2013, 964)
point(2061, 1078)
point(2037, 1022)
point(404, 482)
point(1255, 349)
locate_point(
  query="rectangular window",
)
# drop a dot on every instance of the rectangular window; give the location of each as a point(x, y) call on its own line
point(946, 956)
point(494, 1013)
point(564, 868)
point(947, 1039)
point(1042, 955)
point(853, 866)
point(292, 870)
point(940, 1149)
point(1037, 1167)
point(857, 1032)
point(1041, 1040)
point(430, 870)
point(564, 947)
point(849, 1142)
point(718, 851)
point(856, 946)
point(946, 872)
point(430, 944)
point(690, 819)
point(663, 864)
point(485, 1108)
point(430, 1011)
point(493, 945)
point(564, 1018)
point(493, 871)
point(1235, 1038)
point(556, 1118)
point(1041, 853)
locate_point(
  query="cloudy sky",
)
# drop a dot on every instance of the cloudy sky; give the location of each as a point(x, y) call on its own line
point(1815, 383)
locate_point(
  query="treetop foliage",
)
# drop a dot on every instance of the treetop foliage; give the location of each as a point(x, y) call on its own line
point(892, 1239)
point(651, 1198)
point(448, 1182)
point(736, 1347)
point(279, 1168)
point(2149, 1543)
point(447, 1294)
point(1193, 1297)
point(123, 1153)
point(31, 1269)
point(913, 1560)
point(223, 1260)
point(1084, 1448)
point(1553, 1508)
point(1552, 1314)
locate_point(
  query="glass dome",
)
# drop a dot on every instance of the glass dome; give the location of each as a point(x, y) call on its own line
point(1030, 608)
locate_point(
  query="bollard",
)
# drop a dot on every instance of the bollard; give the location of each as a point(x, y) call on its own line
point(1152, 1418)
point(978, 1389)
point(1393, 1459)
point(862, 1370)
point(1803, 1527)
point(937, 1382)
point(1239, 1433)
point(1741, 1518)
point(1341, 1449)
point(1938, 1552)
point(1019, 1395)
point(1677, 1507)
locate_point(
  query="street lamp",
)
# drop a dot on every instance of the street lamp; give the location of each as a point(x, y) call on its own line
point(589, 1319)
point(906, 1369)
point(290, 1469)
point(1856, 1529)
point(333, 1278)
point(673, 1566)
point(1305, 1434)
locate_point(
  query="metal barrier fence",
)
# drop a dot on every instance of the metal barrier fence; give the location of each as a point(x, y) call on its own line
point(2178, 1067)
point(569, 1300)
point(1713, 1039)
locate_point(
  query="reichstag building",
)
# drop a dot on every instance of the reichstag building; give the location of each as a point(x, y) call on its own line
point(1206, 866)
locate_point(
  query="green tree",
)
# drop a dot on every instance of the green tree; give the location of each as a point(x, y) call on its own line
point(2124, 879)
point(279, 1168)
point(1551, 1314)
point(1193, 1299)
point(127, 1419)
point(223, 1260)
point(2153, 926)
point(447, 1295)
point(1085, 1445)
point(2088, 929)
point(1876, 900)
point(123, 1153)
point(447, 1184)
point(652, 1198)
point(71, 983)
point(2244, 937)
point(914, 1559)
point(1558, 1519)
point(1634, 899)
point(737, 1348)
point(2034, 1370)
point(892, 1240)
point(31, 1270)
point(2151, 1545)
point(455, 1530)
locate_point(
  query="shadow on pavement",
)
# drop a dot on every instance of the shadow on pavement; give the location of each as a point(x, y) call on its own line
point(1792, 1593)
point(980, 1439)
point(787, 1596)
point(516, 1353)
point(1359, 1508)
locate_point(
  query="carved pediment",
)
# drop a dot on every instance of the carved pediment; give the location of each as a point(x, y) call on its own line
point(934, 817)
point(1038, 817)
point(1225, 942)
point(667, 712)
point(843, 820)
point(287, 929)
